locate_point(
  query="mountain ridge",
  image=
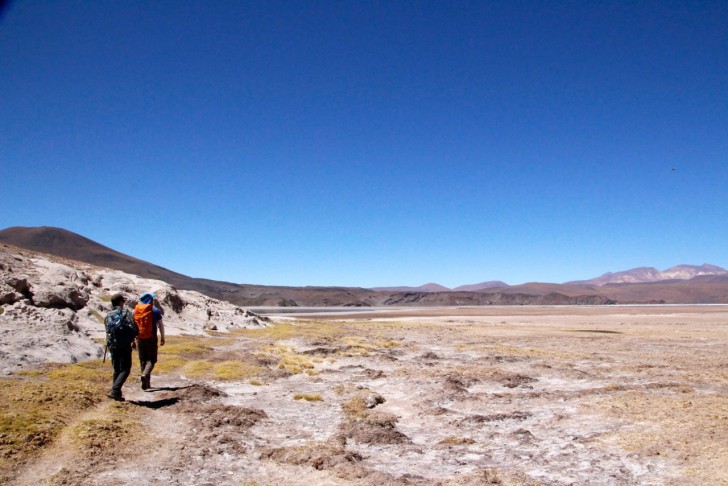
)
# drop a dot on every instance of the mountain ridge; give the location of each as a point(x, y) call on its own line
point(708, 285)
point(651, 274)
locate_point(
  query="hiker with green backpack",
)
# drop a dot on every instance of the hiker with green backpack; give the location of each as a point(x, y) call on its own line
point(120, 333)
point(148, 319)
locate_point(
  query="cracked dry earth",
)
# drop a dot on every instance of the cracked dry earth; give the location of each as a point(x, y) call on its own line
point(513, 396)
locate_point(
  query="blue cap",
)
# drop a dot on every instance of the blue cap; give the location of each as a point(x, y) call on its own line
point(147, 298)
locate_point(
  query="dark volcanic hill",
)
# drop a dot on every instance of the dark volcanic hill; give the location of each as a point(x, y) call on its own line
point(707, 286)
point(492, 284)
point(66, 244)
point(428, 287)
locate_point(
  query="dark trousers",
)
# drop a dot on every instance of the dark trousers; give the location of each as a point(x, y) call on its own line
point(121, 360)
point(147, 354)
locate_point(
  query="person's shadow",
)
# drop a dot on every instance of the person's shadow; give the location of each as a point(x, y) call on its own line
point(164, 402)
point(166, 388)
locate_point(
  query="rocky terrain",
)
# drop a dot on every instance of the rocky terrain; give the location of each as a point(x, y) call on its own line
point(508, 395)
point(52, 309)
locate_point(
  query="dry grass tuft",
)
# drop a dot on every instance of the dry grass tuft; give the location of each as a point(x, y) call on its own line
point(309, 397)
point(234, 371)
point(187, 347)
point(197, 369)
point(456, 441)
point(97, 434)
point(35, 407)
point(169, 364)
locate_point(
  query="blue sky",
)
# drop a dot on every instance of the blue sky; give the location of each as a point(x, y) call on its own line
point(371, 143)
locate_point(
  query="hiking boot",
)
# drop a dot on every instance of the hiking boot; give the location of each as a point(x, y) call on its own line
point(145, 382)
point(115, 396)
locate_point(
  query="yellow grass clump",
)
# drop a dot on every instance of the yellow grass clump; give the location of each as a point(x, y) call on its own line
point(197, 369)
point(455, 441)
point(290, 360)
point(234, 370)
point(186, 347)
point(309, 397)
point(300, 329)
point(169, 364)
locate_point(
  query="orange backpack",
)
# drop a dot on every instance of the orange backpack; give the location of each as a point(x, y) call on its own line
point(144, 318)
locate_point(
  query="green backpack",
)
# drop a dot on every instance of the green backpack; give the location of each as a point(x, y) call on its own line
point(119, 332)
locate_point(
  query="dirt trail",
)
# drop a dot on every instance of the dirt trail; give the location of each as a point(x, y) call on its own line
point(550, 399)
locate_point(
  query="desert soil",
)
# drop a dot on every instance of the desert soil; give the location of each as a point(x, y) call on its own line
point(508, 395)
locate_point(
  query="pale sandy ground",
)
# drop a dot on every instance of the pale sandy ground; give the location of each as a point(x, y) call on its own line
point(507, 395)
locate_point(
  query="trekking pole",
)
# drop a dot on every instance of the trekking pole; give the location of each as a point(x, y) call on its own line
point(106, 348)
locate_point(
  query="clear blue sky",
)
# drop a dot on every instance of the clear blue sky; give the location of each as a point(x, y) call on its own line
point(371, 143)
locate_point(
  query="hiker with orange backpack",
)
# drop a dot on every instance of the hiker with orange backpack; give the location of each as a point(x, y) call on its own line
point(148, 319)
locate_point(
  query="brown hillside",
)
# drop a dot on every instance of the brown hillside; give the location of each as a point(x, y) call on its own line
point(66, 244)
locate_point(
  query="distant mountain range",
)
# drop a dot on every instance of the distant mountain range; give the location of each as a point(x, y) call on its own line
point(650, 274)
point(635, 275)
point(688, 284)
point(433, 287)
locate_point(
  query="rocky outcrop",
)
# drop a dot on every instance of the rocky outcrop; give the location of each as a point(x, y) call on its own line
point(53, 309)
